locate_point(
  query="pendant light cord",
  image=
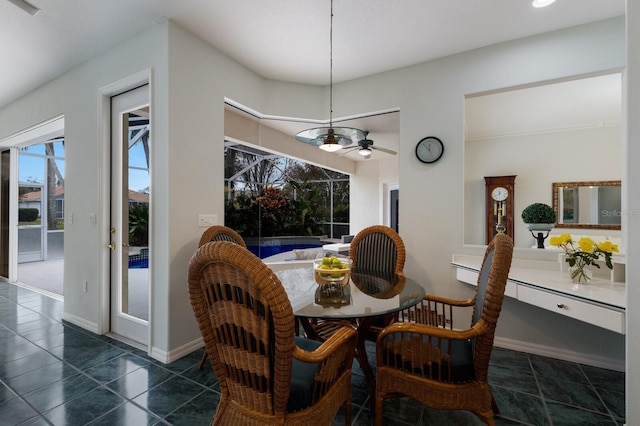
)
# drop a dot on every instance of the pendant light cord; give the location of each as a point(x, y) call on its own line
point(331, 69)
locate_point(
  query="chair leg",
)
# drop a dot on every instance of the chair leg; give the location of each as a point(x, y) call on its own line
point(487, 417)
point(378, 410)
point(347, 412)
point(202, 360)
point(494, 406)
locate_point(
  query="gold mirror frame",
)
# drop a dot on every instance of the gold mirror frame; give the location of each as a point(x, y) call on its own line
point(554, 195)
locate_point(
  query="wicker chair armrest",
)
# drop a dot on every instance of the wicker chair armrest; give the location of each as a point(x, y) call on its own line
point(434, 311)
point(448, 301)
point(344, 337)
point(428, 330)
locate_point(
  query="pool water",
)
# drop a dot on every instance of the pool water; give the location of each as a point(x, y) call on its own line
point(270, 250)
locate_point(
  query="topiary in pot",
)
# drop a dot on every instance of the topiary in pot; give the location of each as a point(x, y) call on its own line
point(539, 217)
point(539, 214)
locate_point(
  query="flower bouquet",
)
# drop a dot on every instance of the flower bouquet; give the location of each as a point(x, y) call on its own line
point(583, 254)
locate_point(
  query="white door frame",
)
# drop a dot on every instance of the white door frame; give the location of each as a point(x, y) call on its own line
point(104, 209)
point(122, 322)
point(387, 200)
point(38, 133)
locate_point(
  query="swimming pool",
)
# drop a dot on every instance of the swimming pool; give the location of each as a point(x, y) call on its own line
point(265, 247)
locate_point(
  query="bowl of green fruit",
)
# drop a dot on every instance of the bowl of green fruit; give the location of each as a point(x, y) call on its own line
point(332, 269)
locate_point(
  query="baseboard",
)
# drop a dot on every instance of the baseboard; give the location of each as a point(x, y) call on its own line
point(177, 353)
point(563, 354)
point(38, 290)
point(81, 322)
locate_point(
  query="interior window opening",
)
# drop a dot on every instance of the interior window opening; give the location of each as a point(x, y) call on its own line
point(278, 204)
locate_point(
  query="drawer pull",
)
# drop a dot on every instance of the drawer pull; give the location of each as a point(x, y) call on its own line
point(560, 305)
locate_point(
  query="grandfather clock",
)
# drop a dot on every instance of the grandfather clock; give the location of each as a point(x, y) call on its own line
point(499, 205)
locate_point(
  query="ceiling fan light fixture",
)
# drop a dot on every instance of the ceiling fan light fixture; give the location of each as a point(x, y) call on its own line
point(365, 152)
point(323, 137)
point(331, 144)
point(542, 3)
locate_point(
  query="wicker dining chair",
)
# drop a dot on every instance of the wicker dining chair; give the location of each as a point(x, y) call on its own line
point(267, 375)
point(377, 250)
point(218, 233)
point(423, 357)
point(221, 233)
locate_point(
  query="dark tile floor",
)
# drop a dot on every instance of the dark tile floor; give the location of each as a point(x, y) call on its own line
point(52, 372)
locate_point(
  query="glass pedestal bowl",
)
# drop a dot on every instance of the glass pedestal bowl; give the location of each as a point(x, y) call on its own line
point(332, 271)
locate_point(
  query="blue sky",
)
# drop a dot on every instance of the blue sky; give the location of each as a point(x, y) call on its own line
point(31, 167)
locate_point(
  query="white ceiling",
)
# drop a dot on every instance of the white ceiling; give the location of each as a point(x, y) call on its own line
point(279, 39)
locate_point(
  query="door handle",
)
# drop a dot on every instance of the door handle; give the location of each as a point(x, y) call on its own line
point(112, 246)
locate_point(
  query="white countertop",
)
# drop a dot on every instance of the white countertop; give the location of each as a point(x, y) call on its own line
point(547, 276)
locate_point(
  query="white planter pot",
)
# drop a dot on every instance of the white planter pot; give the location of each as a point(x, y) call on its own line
point(539, 226)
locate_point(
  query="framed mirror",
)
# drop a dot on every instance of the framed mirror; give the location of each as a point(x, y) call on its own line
point(590, 205)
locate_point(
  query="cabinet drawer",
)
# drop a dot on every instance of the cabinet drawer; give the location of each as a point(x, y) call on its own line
point(582, 311)
point(471, 277)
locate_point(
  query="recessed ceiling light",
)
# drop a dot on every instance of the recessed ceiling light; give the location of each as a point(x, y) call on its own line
point(542, 3)
point(27, 7)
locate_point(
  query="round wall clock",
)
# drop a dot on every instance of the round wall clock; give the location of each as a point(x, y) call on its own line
point(429, 149)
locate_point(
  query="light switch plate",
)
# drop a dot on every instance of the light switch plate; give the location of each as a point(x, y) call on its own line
point(206, 220)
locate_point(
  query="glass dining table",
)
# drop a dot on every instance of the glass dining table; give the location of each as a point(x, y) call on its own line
point(358, 302)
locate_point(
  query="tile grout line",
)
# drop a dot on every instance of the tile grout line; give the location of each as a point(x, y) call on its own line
point(598, 394)
point(542, 398)
point(78, 370)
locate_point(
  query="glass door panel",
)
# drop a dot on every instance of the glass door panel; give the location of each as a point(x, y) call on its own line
point(30, 227)
point(5, 179)
point(129, 245)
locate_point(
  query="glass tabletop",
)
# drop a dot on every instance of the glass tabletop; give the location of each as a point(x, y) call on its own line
point(364, 295)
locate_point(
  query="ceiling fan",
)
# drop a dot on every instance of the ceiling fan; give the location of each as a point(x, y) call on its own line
point(365, 147)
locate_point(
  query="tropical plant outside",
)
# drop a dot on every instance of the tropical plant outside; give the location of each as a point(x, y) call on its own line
point(267, 195)
point(139, 225)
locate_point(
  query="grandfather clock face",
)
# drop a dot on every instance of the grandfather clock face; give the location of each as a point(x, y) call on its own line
point(499, 205)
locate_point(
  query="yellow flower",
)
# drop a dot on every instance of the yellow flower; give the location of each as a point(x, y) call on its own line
point(565, 238)
point(586, 244)
point(608, 246)
point(559, 240)
point(584, 253)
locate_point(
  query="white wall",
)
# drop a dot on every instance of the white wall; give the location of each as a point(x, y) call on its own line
point(191, 81)
point(430, 98)
point(365, 197)
point(631, 205)
point(76, 96)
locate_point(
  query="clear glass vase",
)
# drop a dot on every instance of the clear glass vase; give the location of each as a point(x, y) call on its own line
point(581, 273)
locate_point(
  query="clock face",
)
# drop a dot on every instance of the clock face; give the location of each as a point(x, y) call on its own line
point(429, 149)
point(500, 193)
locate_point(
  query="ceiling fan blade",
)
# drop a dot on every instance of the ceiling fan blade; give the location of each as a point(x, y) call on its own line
point(318, 135)
point(388, 151)
point(348, 149)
